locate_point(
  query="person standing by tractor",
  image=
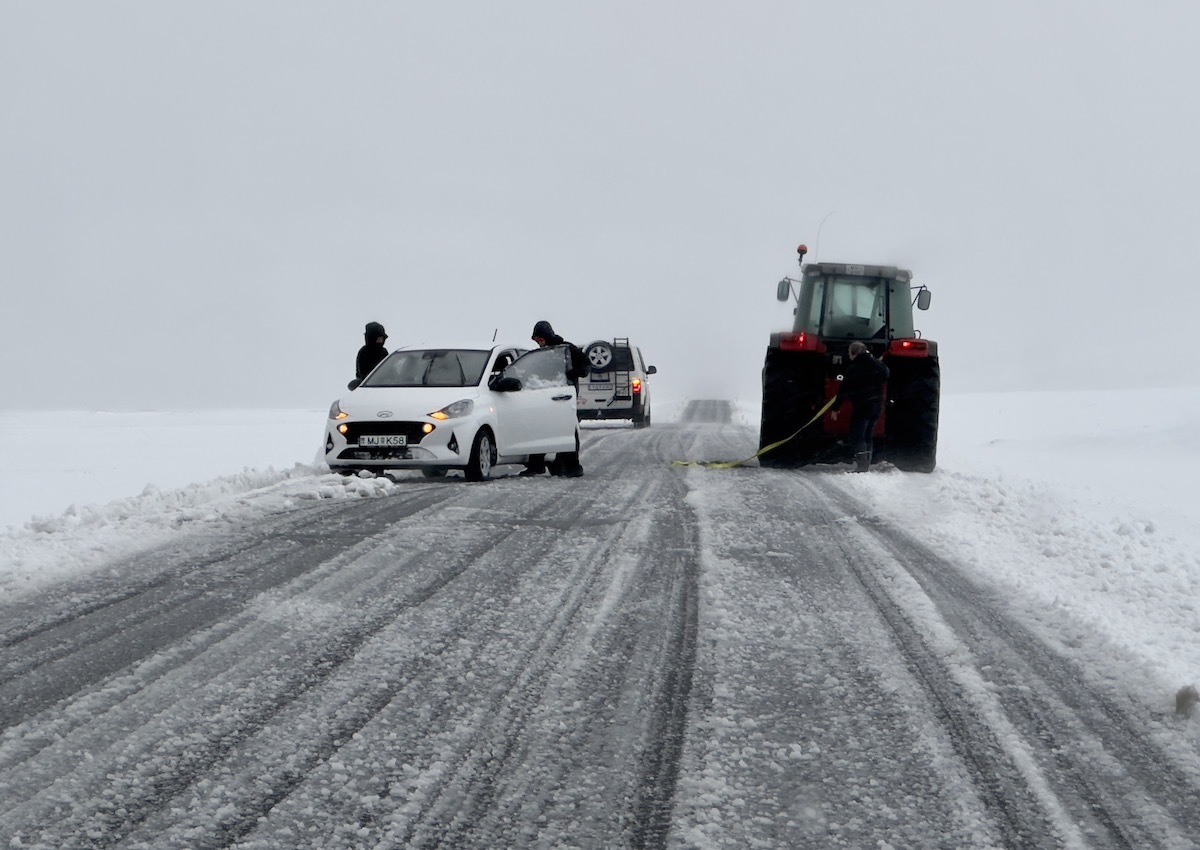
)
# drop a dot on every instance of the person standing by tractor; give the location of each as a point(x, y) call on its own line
point(373, 352)
point(564, 463)
point(862, 386)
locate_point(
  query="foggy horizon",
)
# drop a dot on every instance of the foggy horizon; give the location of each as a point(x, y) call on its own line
point(201, 205)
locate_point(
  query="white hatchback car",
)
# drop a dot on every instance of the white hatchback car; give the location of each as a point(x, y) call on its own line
point(442, 408)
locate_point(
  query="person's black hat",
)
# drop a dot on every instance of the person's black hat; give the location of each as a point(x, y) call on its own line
point(374, 329)
point(542, 330)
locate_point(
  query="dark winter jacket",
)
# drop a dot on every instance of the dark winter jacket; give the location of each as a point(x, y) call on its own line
point(862, 385)
point(579, 362)
point(369, 356)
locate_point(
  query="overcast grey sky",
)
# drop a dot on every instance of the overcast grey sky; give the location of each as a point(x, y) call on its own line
point(202, 203)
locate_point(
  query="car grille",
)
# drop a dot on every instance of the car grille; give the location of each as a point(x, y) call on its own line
point(375, 454)
point(412, 430)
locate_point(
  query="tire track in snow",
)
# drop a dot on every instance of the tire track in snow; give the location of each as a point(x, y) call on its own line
point(46, 662)
point(169, 767)
point(490, 797)
point(807, 733)
point(349, 718)
point(1092, 748)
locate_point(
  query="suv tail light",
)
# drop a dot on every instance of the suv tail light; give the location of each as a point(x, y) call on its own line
point(636, 385)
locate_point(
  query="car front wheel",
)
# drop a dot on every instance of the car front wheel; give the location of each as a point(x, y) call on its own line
point(483, 456)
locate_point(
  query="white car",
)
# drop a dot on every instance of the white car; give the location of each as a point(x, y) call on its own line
point(441, 408)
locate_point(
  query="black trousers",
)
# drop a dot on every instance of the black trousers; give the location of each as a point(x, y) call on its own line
point(862, 427)
point(563, 462)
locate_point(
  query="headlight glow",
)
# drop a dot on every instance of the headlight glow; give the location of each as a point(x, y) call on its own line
point(454, 411)
point(336, 412)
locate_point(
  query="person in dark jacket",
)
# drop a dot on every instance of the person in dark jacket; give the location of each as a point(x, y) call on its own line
point(862, 386)
point(371, 354)
point(564, 463)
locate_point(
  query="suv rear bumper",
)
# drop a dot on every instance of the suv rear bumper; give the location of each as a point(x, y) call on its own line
point(618, 410)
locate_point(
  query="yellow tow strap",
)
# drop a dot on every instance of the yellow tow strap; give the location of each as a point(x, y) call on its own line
point(730, 464)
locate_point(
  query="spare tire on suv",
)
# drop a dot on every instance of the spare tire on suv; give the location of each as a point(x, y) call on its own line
point(599, 355)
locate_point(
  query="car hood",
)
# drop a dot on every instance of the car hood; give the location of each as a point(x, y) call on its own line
point(403, 403)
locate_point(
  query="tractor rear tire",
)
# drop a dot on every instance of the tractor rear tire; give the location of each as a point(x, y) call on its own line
point(914, 390)
point(793, 390)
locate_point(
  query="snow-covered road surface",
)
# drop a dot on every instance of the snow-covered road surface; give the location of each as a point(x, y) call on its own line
point(651, 656)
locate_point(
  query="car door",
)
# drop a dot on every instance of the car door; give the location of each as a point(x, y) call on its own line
point(540, 416)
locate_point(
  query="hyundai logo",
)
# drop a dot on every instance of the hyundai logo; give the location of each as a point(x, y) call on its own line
point(384, 414)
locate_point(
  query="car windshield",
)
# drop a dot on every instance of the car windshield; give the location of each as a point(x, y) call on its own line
point(430, 367)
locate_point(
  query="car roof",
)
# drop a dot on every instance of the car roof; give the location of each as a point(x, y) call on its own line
point(459, 344)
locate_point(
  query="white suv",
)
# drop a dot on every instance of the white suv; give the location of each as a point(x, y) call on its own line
point(615, 386)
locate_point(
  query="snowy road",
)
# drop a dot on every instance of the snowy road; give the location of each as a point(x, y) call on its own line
point(652, 656)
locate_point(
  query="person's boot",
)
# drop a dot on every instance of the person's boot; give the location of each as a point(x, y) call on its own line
point(863, 459)
point(535, 466)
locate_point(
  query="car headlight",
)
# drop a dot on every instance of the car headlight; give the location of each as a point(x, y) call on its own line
point(454, 411)
point(336, 412)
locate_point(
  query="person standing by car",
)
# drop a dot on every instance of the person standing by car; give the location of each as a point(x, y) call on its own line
point(371, 354)
point(862, 386)
point(564, 463)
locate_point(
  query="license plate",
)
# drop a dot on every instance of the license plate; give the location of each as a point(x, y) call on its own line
point(383, 440)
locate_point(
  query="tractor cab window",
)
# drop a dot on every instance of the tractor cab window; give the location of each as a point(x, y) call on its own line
point(851, 307)
point(902, 314)
point(855, 307)
point(808, 309)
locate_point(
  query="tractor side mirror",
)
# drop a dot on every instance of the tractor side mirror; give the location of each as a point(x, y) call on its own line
point(923, 299)
point(784, 290)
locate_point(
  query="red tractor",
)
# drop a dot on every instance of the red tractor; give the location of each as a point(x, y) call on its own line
point(837, 304)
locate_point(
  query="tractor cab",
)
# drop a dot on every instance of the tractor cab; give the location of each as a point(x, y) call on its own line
point(845, 301)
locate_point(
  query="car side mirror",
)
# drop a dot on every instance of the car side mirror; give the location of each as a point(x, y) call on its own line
point(506, 384)
point(923, 299)
point(651, 370)
point(353, 385)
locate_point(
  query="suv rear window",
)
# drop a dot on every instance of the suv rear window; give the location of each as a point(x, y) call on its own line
point(622, 360)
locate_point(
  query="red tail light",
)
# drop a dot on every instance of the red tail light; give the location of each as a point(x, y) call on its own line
point(800, 342)
point(909, 348)
point(637, 385)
